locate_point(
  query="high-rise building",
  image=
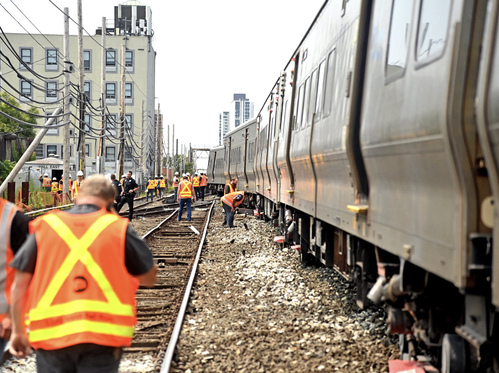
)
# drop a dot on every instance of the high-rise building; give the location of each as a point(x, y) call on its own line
point(130, 32)
point(223, 126)
point(242, 110)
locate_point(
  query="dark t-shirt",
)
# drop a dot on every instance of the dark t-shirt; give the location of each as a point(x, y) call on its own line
point(128, 185)
point(138, 257)
point(19, 230)
point(117, 185)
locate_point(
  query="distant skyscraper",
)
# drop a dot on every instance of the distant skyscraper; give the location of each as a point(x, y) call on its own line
point(223, 126)
point(242, 110)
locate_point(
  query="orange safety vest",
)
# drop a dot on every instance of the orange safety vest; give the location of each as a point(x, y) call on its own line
point(185, 189)
point(77, 186)
point(156, 182)
point(84, 294)
point(150, 184)
point(204, 181)
point(55, 186)
point(46, 182)
point(60, 185)
point(162, 183)
point(228, 199)
point(7, 212)
point(175, 182)
point(196, 182)
point(232, 189)
point(70, 184)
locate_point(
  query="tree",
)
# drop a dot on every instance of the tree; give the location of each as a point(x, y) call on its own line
point(11, 126)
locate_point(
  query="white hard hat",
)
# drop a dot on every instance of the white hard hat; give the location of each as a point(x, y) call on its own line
point(123, 175)
point(54, 178)
point(195, 173)
point(79, 173)
point(45, 174)
point(184, 175)
point(176, 173)
point(188, 174)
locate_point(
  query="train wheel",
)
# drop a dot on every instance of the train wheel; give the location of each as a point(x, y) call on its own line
point(453, 354)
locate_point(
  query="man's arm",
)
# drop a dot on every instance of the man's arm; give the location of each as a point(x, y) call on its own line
point(148, 279)
point(138, 259)
point(19, 342)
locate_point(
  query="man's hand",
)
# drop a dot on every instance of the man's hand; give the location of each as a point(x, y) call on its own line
point(6, 328)
point(233, 209)
point(19, 345)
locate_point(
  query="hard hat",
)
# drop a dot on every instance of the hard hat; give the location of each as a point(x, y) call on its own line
point(176, 173)
point(195, 173)
point(79, 173)
point(54, 178)
point(188, 174)
point(70, 176)
point(184, 175)
point(123, 175)
point(45, 174)
point(161, 176)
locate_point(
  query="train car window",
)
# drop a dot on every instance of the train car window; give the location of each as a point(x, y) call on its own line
point(320, 90)
point(432, 29)
point(299, 107)
point(306, 100)
point(251, 151)
point(313, 96)
point(398, 39)
point(285, 118)
point(328, 97)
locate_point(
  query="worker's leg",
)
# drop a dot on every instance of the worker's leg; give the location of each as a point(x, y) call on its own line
point(56, 361)
point(129, 200)
point(175, 191)
point(122, 202)
point(188, 203)
point(181, 208)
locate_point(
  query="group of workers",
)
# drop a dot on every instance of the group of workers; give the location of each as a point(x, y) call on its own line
point(56, 187)
point(199, 183)
point(156, 187)
point(71, 277)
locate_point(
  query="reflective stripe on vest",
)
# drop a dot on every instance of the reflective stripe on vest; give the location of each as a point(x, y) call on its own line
point(150, 184)
point(7, 212)
point(77, 186)
point(162, 183)
point(185, 189)
point(55, 186)
point(228, 199)
point(70, 319)
point(204, 181)
point(195, 184)
point(232, 189)
point(175, 182)
point(46, 182)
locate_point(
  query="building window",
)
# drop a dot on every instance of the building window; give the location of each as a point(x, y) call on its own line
point(87, 89)
point(51, 59)
point(129, 59)
point(400, 26)
point(51, 91)
point(87, 60)
point(51, 149)
point(111, 57)
point(26, 90)
point(111, 91)
point(128, 153)
point(432, 29)
point(110, 153)
point(52, 131)
point(111, 124)
point(129, 124)
point(128, 93)
point(87, 150)
point(27, 57)
point(87, 123)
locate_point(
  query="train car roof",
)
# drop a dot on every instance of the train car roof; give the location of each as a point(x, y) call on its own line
point(244, 125)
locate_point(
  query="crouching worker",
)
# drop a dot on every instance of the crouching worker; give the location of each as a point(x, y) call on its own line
point(77, 276)
point(230, 202)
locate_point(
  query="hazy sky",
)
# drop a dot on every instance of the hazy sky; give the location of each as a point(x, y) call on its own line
point(206, 50)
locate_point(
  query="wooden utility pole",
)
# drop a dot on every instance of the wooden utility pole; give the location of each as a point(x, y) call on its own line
point(67, 108)
point(82, 165)
point(158, 142)
point(102, 142)
point(168, 152)
point(122, 111)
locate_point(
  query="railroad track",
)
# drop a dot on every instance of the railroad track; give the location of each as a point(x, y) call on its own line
point(176, 247)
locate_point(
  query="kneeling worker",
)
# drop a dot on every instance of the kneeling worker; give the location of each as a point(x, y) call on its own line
point(77, 276)
point(230, 202)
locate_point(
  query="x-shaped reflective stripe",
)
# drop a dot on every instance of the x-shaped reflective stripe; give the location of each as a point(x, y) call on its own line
point(79, 252)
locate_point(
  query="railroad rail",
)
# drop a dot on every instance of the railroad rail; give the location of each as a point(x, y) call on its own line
point(176, 247)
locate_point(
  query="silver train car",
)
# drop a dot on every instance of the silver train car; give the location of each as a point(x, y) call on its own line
point(377, 152)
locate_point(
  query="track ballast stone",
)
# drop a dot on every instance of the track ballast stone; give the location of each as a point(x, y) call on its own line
point(256, 308)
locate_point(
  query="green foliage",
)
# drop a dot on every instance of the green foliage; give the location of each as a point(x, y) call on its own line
point(5, 168)
point(9, 125)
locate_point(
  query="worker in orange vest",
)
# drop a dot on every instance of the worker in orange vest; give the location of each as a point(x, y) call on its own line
point(185, 197)
point(14, 228)
point(202, 185)
point(76, 280)
point(77, 184)
point(230, 202)
point(150, 189)
point(162, 186)
point(45, 182)
point(195, 183)
point(176, 181)
point(55, 185)
point(232, 186)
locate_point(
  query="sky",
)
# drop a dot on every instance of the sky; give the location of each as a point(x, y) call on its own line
point(206, 50)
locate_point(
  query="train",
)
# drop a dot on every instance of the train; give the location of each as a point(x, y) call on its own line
point(376, 152)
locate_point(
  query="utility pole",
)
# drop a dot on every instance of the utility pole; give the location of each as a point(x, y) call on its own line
point(177, 165)
point(102, 143)
point(142, 145)
point(122, 111)
point(173, 148)
point(67, 108)
point(83, 163)
point(158, 141)
point(168, 152)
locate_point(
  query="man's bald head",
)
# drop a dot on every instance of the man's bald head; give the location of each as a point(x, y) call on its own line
point(97, 186)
